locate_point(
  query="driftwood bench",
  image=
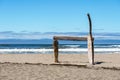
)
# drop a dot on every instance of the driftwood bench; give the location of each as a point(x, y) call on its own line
point(89, 39)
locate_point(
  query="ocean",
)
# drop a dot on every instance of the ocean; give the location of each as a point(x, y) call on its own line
point(45, 46)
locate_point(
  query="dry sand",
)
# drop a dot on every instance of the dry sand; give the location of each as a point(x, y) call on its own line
point(71, 67)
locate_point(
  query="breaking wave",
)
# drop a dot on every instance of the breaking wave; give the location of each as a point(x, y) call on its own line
point(66, 50)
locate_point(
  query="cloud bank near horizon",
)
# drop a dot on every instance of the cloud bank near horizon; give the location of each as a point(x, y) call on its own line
point(49, 35)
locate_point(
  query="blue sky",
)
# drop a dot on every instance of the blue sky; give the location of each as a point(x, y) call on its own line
point(59, 15)
point(33, 19)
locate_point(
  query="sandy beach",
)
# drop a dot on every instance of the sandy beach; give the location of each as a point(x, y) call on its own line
point(71, 67)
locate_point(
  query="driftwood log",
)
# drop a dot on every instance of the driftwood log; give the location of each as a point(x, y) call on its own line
point(89, 39)
point(90, 42)
point(55, 44)
point(70, 38)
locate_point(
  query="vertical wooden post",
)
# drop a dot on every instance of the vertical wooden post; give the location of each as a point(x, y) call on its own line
point(90, 43)
point(91, 49)
point(55, 44)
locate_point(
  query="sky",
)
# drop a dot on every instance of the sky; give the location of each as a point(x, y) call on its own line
point(59, 15)
point(34, 19)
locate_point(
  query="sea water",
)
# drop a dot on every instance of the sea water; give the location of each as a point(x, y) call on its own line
point(103, 46)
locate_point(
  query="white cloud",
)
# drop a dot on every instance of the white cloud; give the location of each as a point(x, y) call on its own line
point(39, 35)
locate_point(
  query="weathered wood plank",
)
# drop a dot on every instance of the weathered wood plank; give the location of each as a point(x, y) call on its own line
point(70, 38)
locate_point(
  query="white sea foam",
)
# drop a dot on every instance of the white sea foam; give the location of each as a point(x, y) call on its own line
point(116, 46)
point(72, 46)
point(61, 50)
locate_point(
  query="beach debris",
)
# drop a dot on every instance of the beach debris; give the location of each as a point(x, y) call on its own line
point(89, 39)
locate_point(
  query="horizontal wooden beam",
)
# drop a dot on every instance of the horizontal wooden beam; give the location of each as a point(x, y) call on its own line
point(70, 38)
